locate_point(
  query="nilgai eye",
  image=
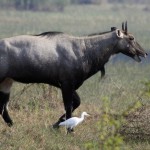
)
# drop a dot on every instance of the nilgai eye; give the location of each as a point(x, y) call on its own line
point(131, 38)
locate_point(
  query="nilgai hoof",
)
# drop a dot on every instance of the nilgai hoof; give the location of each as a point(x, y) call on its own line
point(10, 124)
point(55, 125)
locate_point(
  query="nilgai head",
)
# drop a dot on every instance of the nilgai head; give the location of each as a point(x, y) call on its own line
point(128, 45)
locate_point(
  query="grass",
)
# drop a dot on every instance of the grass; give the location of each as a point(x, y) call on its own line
point(32, 130)
point(36, 109)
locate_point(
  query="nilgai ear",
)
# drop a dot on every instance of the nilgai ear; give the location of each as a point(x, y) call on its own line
point(119, 33)
point(113, 28)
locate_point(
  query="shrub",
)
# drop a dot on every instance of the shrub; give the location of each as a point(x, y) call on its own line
point(108, 128)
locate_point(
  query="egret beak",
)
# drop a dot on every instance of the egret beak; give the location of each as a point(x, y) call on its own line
point(87, 115)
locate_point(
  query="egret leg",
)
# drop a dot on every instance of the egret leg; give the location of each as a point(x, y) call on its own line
point(75, 104)
point(70, 130)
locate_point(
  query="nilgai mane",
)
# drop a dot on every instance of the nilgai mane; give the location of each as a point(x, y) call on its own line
point(60, 60)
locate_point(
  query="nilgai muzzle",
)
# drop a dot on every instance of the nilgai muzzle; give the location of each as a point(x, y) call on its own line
point(60, 60)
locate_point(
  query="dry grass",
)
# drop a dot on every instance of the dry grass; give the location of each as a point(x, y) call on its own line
point(32, 130)
point(32, 123)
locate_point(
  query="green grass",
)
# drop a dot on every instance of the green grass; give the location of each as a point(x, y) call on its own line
point(35, 110)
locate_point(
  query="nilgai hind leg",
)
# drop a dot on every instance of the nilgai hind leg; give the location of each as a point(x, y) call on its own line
point(5, 86)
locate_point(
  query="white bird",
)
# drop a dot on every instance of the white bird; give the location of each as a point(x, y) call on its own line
point(74, 121)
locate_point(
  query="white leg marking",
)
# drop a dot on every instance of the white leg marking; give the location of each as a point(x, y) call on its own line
point(6, 85)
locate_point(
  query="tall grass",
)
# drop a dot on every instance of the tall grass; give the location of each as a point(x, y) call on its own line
point(36, 109)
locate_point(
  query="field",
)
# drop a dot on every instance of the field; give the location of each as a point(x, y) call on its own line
point(34, 108)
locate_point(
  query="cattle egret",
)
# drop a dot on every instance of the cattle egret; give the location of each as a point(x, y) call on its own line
point(74, 121)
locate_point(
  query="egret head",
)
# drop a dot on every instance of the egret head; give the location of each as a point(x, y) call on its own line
point(85, 114)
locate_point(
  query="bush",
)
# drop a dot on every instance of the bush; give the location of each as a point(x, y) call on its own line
point(108, 128)
point(137, 116)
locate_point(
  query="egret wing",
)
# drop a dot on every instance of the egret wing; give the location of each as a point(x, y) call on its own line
point(70, 122)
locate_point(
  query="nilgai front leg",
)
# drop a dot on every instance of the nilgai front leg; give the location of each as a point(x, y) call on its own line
point(75, 104)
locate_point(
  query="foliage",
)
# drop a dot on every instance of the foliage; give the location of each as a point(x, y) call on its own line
point(110, 139)
point(137, 127)
point(108, 128)
point(113, 129)
point(147, 87)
